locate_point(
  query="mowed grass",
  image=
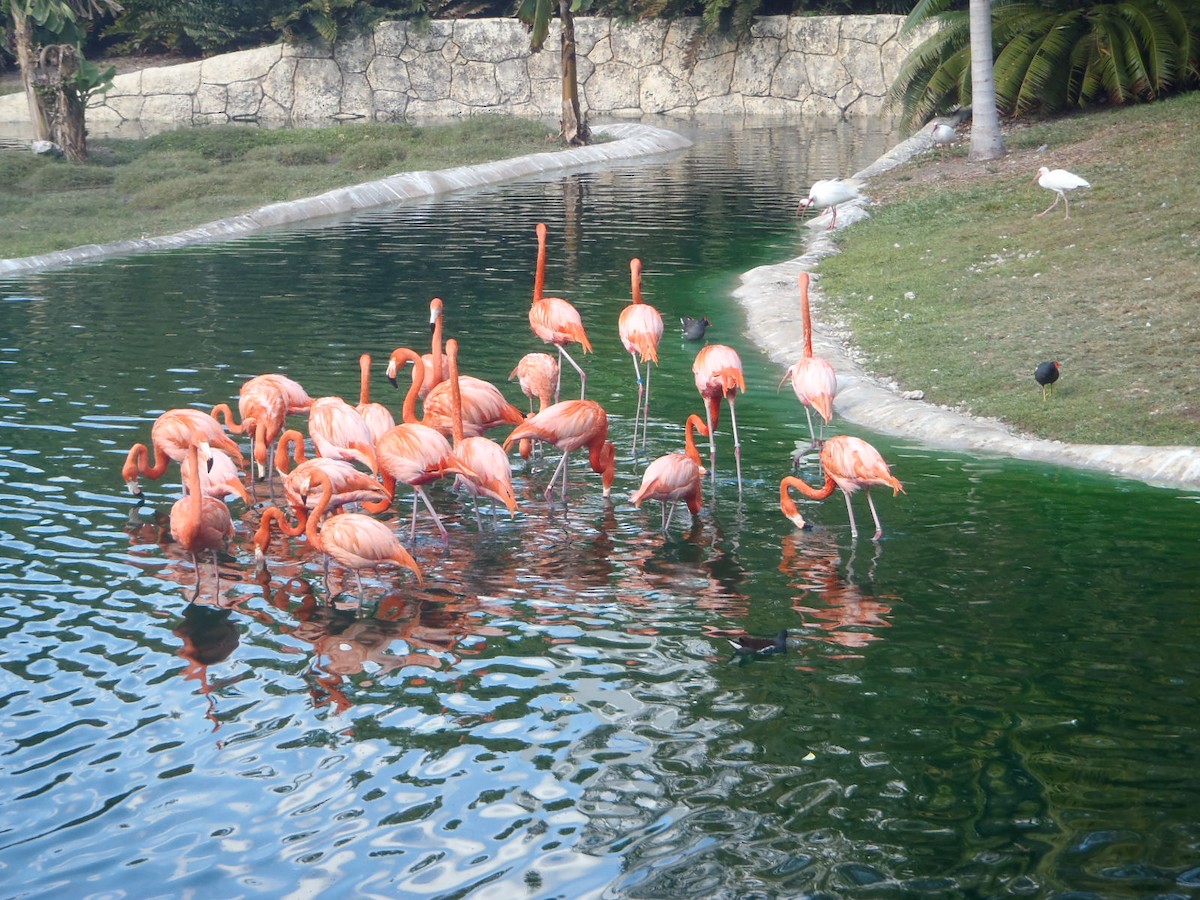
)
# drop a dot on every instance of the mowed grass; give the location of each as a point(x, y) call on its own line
point(192, 176)
point(955, 287)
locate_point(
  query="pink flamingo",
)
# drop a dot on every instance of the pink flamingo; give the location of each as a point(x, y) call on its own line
point(200, 523)
point(489, 463)
point(171, 435)
point(263, 407)
point(569, 425)
point(555, 320)
point(813, 378)
point(219, 478)
point(718, 372)
point(298, 400)
point(350, 485)
point(482, 407)
point(377, 416)
point(675, 476)
point(339, 432)
point(352, 540)
point(537, 373)
point(414, 454)
point(641, 328)
point(849, 463)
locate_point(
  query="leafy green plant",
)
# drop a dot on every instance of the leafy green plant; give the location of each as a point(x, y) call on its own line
point(1053, 55)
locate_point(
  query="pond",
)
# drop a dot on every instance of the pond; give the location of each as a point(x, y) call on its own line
point(1000, 696)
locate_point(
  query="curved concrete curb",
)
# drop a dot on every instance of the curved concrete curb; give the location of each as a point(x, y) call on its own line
point(630, 141)
point(770, 296)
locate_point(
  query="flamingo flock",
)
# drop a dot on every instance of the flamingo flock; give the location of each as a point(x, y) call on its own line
point(330, 485)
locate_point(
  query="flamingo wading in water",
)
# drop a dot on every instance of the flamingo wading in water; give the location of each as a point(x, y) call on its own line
point(555, 320)
point(570, 425)
point(352, 540)
point(849, 463)
point(675, 476)
point(718, 373)
point(641, 328)
point(813, 378)
point(492, 472)
point(200, 523)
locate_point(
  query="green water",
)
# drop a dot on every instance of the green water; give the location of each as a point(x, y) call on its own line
point(998, 698)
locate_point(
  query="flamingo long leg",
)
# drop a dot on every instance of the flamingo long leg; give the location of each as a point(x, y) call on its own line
point(645, 411)
point(562, 467)
point(712, 445)
point(670, 513)
point(737, 445)
point(874, 515)
point(562, 352)
point(850, 512)
point(437, 520)
point(637, 411)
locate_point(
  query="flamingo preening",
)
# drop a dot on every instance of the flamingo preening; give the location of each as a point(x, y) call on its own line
point(555, 320)
point(813, 378)
point(641, 328)
point(849, 463)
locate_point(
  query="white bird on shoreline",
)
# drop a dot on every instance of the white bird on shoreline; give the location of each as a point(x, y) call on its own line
point(1060, 181)
point(827, 194)
point(943, 135)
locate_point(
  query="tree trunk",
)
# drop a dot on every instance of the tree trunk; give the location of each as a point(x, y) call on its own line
point(23, 40)
point(574, 124)
point(986, 140)
point(62, 104)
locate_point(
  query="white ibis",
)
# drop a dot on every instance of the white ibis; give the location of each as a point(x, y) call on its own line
point(1060, 181)
point(827, 194)
point(943, 135)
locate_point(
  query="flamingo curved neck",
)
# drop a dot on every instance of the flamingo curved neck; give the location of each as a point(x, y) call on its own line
point(223, 414)
point(694, 423)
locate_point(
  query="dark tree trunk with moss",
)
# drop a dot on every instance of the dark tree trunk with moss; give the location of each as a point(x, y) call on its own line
point(61, 103)
point(574, 124)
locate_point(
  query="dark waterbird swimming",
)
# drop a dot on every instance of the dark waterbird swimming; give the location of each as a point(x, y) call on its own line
point(747, 647)
point(693, 328)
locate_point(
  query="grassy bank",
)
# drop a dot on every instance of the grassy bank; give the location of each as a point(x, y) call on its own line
point(956, 287)
point(184, 178)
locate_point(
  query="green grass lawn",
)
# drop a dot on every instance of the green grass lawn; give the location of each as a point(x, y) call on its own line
point(188, 177)
point(955, 287)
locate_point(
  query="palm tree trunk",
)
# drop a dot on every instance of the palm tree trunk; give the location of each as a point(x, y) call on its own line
point(986, 140)
point(574, 124)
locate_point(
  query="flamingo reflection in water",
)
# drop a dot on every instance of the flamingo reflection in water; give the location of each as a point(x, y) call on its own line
point(847, 615)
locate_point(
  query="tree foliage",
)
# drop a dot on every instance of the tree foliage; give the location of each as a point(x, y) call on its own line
point(1053, 55)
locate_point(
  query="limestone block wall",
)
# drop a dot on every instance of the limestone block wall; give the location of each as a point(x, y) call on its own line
point(786, 66)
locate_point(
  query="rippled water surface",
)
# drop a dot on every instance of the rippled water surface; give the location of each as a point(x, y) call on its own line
point(998, 698)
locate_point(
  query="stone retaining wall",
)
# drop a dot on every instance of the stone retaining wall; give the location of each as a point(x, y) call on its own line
point(786, 66)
